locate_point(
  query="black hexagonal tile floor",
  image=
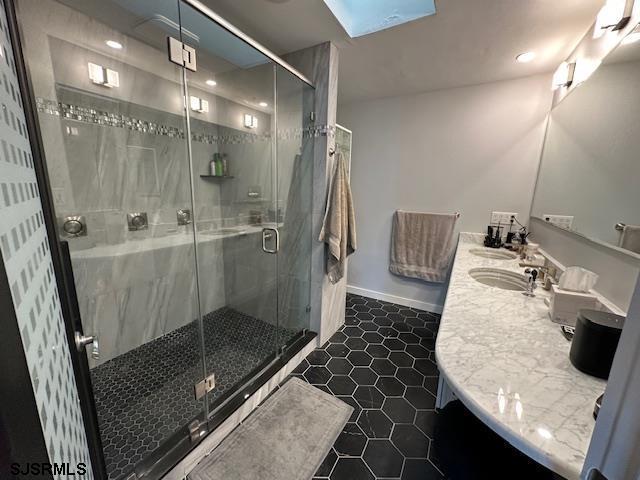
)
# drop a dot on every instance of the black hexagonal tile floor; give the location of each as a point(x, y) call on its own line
point(377, 351)
point(318, 357)
point(418, 469)
point(426, 367)
point(417, 351)
point(341, 385)
point(372, 337)
point(369, 397)
point(375, 424)
point(356, 343)
point(351, 469)
point(351, 441)
point(337, 350)
point(401, 359)
point(390, 386)
point(420, 398)
point(338, 337)
point(383, 367)
point(136, 415)
point(399, 410)
point(339, 366)
point(360, 359)
point(317, 375)
point(364, 376)
point(410, 377)
point(327, 464)
point(393, 398)
point(410, 441)
point(383, 458)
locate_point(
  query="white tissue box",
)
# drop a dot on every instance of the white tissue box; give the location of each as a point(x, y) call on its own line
point(565, 304)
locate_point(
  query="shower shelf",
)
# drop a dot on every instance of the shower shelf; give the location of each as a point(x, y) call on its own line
point(216, 176)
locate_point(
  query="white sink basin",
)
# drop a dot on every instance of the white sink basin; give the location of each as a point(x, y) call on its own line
point(499, 278)
point(493, 253)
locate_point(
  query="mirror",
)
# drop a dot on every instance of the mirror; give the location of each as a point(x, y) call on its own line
point(590, 168)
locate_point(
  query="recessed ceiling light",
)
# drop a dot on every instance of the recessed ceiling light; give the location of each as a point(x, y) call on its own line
point(211, 83)
point(525, 57)
point(263, 104)
point(114, 44)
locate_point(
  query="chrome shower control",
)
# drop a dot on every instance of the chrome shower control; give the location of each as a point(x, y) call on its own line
point(184, 216)
point(74, 226)
point(137, 221)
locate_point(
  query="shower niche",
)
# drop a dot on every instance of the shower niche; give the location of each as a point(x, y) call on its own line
point(171, 299)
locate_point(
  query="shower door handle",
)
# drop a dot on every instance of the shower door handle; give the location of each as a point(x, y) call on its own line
point(268, 234)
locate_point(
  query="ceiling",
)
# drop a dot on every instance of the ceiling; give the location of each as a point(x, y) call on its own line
point(466, 42)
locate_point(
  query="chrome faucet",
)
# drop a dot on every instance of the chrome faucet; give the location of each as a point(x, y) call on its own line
point(547, 274)
point(532, 274)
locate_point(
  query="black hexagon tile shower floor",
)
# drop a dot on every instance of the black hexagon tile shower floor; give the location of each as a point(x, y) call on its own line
point(146, 394)
point(382, 363)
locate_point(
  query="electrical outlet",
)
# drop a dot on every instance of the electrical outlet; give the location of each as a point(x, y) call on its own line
point(562, 221)
point(502, 218)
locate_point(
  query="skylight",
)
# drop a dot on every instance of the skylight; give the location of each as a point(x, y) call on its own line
point(360, 17)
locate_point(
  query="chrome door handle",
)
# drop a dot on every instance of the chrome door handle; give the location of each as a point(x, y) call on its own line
point(82, 341)
point(267, 234)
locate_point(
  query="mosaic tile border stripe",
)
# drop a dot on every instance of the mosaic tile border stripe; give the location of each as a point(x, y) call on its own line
point(99, 117)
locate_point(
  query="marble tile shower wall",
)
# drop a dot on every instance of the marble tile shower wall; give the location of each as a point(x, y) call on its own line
point(122, 150)
point(27, 260)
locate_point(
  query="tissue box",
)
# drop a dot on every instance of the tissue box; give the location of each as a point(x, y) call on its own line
point(565, 304)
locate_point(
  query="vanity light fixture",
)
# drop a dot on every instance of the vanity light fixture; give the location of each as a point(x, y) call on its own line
point(263, 104)
point(525, 57)
point(250, 121)
point(563, 76)
point(103, 76)
point(613, 15)
point(198, 104)
point(211, 83)
point(114, 44)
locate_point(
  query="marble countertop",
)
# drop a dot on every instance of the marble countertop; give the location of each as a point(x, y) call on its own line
point(509, 364)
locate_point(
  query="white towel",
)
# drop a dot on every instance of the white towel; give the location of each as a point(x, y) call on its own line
point(339, 225)
point(630, 238)
point(422, 245)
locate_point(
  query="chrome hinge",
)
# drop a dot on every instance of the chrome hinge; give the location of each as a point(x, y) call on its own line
point(194, 431)
point(182, 54)
point(205, 386)
point(312, 116)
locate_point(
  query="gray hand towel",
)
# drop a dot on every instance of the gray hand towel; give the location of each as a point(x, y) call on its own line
point(422, 245)
point(339, 225)
point(630, 238)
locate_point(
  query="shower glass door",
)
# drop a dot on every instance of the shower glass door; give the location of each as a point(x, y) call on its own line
point(179, 160)
point(232, 120)
point(112, 119)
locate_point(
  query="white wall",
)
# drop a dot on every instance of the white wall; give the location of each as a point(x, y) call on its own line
point(471, 149)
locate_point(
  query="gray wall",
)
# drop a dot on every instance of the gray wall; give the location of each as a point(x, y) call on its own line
point(472, 150)
point(590, 166)
point(618, 271)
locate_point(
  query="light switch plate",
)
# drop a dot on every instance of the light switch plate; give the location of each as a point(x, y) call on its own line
point(502, 218)
point(562, 221)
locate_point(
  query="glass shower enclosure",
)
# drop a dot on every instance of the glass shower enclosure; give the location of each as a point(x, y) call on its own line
point(179, 161)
